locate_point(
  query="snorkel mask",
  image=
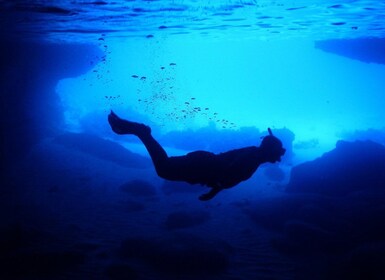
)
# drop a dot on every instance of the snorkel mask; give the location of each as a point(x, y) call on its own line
point(272, 147)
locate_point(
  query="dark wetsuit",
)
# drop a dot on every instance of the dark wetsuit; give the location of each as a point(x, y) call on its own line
point(217, 171)
point(223, 170)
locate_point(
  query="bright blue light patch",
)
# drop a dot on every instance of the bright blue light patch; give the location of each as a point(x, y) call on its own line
point(177, 83)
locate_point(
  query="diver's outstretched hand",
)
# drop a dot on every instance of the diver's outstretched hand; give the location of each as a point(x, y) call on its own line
point(121, 126)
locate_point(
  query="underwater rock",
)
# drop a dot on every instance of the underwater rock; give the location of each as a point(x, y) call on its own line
point(367, 261)
point(369, 50)
point(186, 219)
point(139, 188)
point(304, 238)
point(179, 254)
point(273, 213)
point(375, 135)
point(312, 223)
point(31, 70)
point(103, 149)
point(350, 167)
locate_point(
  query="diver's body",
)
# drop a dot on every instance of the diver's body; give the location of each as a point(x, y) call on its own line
point(217, 171)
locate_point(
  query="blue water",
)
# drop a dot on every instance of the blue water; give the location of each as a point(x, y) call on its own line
point(80, 202)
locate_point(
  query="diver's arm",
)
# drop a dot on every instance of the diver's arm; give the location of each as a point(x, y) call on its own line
point(215, 189)
point(207, 196)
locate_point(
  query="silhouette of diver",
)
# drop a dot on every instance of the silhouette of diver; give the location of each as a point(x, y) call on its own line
point(216, 171)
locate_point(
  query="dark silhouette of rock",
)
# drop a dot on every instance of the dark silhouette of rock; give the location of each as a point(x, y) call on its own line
point(369, 50)
point(350, 167)
point(103, 149)
point(375, 135)
point(186, 219)
point(310, 223)
point(364, 262)
point(307, 238)
point(273, 213)
point(30, 71)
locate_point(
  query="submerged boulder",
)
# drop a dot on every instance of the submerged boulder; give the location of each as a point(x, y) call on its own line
point(351, 167)
point(103, 149)
point(310, 223)
point(369, 50)
point(30, 71)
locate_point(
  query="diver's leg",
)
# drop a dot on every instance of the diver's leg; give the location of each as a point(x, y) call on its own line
point(121, 126)
point(207, 196)
point(157, 153)
point(155, 150)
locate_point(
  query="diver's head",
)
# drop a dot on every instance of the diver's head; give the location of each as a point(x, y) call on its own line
point(272, 148)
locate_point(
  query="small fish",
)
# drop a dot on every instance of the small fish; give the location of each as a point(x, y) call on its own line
point(337, 6)
point(135, 76)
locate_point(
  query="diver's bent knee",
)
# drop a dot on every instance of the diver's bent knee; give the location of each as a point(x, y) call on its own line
point(163, 172)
